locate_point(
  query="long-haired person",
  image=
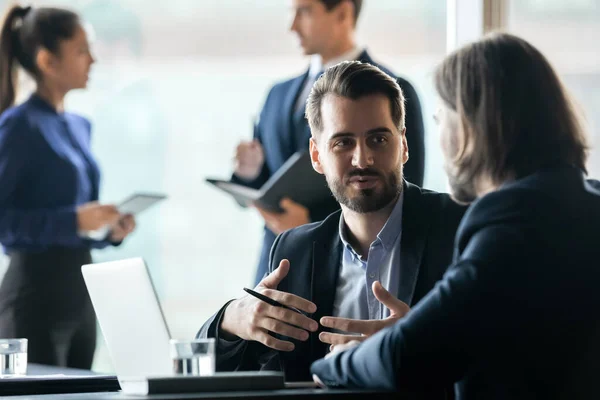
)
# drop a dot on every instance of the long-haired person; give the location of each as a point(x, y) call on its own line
point(49, 184)
point(516, 316)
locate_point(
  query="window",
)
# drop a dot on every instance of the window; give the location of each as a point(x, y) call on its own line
point(566, 31)
point(176, 86)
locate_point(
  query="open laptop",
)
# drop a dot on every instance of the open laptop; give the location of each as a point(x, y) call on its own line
point(137, 336)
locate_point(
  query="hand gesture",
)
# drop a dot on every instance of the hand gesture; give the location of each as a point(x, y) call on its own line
point(364, 329)
point(252, 319)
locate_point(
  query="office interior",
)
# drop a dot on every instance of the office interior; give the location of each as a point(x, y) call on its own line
point(177, 84)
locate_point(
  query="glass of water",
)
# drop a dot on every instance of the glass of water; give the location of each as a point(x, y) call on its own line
point(13, 357)
point(193, 357)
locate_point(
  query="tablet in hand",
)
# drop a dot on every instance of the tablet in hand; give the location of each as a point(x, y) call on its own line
point(134, 204)
point(138, 202)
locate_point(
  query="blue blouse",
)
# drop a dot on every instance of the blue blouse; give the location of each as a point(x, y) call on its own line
point(46, 171)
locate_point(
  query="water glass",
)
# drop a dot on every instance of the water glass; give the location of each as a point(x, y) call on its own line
point(193, 357)
point(13, 357)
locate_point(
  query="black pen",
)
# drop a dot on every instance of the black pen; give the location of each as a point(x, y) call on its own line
point(270, 300)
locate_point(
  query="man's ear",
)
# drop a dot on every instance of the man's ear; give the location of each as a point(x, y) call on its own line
point(314, 155)
point(345, 11)
point(45, 61)
point(404, 146)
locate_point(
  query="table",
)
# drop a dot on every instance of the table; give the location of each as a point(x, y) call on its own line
point(38, 369)
point(290, 394)
point(287, 394)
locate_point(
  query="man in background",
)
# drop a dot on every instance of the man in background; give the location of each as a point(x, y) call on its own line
point(326, 31)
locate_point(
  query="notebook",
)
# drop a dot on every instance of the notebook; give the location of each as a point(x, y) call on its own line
point(295, 179)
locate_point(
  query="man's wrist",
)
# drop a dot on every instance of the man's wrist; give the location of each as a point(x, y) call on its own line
point(224, 330)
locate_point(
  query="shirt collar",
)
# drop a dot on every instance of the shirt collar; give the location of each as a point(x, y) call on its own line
point(316, 62)
point(39, 102)
point(393, 226)
point(344, 238)
point(388, 234)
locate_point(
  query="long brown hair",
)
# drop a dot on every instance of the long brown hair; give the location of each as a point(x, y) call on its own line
point(25, 30)
point(515, 116)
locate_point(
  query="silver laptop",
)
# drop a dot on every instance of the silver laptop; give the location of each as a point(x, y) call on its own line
point(130, 317)
point(137, 336)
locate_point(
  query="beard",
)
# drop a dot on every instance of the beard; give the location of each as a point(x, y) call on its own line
point(371, 199)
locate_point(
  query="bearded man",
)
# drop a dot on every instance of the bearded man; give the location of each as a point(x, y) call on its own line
point(361, 268)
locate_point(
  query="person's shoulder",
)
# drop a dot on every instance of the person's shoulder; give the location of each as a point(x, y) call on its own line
point(405, 85)
point(297, 243)
point(314, 231)
point(18, 112)
point(386, 70)
point(365, 57)
point(434, 200)
point(593, 185)
point(513, 204)
point(534, 194)
point(15, 122)
point(283, 86)
point(79, 121)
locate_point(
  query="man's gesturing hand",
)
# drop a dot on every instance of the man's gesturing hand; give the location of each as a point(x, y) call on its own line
point(360, 329)
point(252, 319)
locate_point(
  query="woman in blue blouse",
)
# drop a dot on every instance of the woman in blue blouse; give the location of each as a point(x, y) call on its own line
point(49, 184)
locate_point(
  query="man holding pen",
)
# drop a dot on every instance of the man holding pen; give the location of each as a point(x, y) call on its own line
point(361, 268)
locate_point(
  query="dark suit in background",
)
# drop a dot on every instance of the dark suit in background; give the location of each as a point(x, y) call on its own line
point(282, 131)
point(517, 314)
point(429, 223)
point(47, 170)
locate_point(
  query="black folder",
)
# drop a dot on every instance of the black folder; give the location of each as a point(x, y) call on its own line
point(219, 382)
point(295, 179)
point(58, 384)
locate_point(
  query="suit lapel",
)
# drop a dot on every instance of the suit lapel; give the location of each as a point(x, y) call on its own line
point(365, 58)
point(292, 94)
point(415, 224)
point(325, 272)
point(288, 108)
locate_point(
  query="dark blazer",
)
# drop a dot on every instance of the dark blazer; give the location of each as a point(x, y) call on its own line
point(517, 314)
point(47, 170)
point(429, 223)
point(283, 132)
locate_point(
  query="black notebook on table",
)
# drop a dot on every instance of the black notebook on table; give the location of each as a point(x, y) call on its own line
point(219, 382)
point(295, 179)
point(52, 384)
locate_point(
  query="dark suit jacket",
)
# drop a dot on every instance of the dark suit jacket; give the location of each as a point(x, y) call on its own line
point(429, 223)
point(283, 132)
point(517, 314)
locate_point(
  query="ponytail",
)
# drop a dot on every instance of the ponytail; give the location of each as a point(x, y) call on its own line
point(23, 33)
point(10, 44)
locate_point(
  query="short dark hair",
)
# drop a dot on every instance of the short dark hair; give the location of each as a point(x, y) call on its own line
point(331, 4)
point(514, 115)
point(25, 30)
point(353, 80)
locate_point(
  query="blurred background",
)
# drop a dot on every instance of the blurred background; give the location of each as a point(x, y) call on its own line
point(178, 83)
